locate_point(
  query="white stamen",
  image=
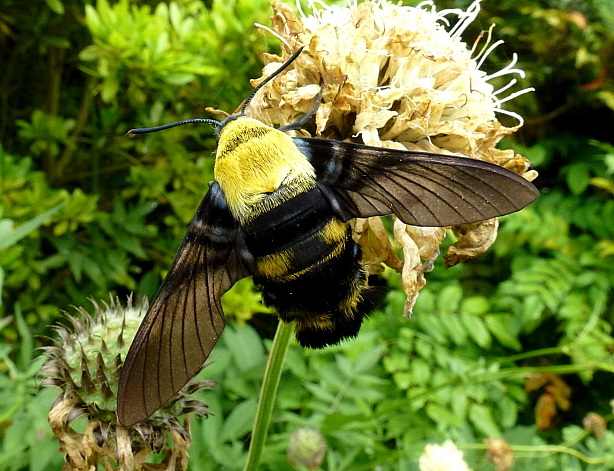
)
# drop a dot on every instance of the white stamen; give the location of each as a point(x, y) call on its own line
point(502, 89)
point(488, 51)
point(507, 69)
point(465, 19)
point(278, 36)
point(498, 103)
point(513, 115)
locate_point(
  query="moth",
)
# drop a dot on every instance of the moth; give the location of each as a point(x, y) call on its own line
point(278, 210)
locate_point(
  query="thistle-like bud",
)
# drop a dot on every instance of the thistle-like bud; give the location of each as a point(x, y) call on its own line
point(307, 448)
point(85, 363)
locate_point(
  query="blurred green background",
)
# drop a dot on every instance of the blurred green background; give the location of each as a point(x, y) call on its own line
point(515, 344)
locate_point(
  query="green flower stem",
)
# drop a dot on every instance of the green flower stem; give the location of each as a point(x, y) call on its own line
point(268, 393)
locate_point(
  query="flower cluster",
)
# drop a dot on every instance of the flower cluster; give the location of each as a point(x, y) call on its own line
point(396, 77)
point(444, 457)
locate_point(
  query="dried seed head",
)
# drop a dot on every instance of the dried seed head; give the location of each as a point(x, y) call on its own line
point(500, 453)
point(397, 77)
point(85, 363)
point(596, 423)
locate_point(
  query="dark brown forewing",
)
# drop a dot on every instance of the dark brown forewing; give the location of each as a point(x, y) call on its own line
point(422, 189)
point(185, 319)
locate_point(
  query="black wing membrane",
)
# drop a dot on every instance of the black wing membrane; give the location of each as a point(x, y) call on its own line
point(186, 319)
point(422, 189)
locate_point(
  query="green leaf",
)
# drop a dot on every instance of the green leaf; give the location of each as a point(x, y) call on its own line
point(500, 326)
point(245, 346)
point(449, 299)
point(179, 79)
point(368, 359)
point(432, 326)
point(8, 236)
point(508, 412)
point(240, 421)
point(420, 371)
point(109, 89)
point(578, 177)
point(1, 284)
point(476, 305)
point(455, 328)
point(442, 415)
point(26, 341)
point(477, 329)
point(56, 6)
point(481, 417)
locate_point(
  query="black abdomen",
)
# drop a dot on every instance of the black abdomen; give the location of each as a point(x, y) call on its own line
point(310, 269)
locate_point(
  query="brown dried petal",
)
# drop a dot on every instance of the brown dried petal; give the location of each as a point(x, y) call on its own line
point(473, 239)
point(415, 242)
point(375, 244)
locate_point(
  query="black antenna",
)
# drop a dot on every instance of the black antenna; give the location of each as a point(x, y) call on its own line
point(219, 124)
point(298, 125)
point(172, 125)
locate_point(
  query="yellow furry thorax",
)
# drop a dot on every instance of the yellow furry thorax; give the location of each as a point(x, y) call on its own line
point(259, 167)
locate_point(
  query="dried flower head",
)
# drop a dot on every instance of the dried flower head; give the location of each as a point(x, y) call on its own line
point(500, 453)
point(397, 77)
point(85, 363)
point(595, 423)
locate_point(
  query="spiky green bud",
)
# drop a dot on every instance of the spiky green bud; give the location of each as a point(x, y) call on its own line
point(85, 363)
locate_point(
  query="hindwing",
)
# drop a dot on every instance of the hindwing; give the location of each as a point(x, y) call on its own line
point(185, 319)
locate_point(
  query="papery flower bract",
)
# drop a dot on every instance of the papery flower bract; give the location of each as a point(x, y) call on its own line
point(397, 77)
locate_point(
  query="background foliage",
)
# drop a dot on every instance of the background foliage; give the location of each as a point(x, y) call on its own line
point(515, 344)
